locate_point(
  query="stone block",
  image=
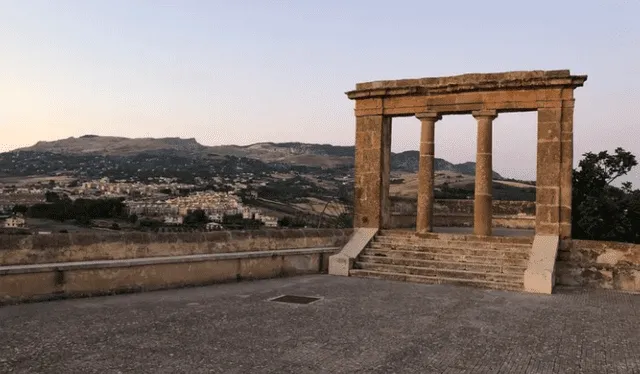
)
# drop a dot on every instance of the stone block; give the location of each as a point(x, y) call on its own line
point(468, 98)
point(266, 267)
point(301, 264)
point(565, 214)
point(565, 230)
point(547, 214)
point(549, 131)
point(548, 196)
point(628, 280)
point(364, 140)
point(340, 264)
point(539, 276)
point(549, 104)
point(548, 94)
point(548, 162)
point(545, 228)
point(373, 103)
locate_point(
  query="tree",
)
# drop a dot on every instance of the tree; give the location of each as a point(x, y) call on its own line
point(600, 210)
point(284, 222)
point(197, 217)
point(51, 197)
point(22, 209)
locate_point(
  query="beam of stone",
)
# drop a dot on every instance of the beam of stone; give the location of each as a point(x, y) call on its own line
point(482, 207)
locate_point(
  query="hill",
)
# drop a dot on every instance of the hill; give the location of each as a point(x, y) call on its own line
point(283, 154)
point(117, 146)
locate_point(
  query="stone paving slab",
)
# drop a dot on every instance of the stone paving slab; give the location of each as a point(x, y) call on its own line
point(358, 326)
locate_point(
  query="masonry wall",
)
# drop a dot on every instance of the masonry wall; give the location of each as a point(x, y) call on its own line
point(598, 264)
point(37, 249)
point(459, 213)
point(42, 267)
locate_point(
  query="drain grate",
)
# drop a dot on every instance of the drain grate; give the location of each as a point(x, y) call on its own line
point(293, 299)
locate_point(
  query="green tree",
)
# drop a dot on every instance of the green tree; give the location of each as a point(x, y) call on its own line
point(600, 210)
point(51, 197)
point(20, 209)
point(196, 218)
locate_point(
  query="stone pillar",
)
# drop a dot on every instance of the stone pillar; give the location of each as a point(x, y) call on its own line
point(566, 167)
point(424, 219)
point(372, 207)
point(482, 205)
point(554, 169)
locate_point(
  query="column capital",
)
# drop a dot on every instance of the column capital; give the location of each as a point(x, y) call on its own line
point(434, 116)
point(484, 113)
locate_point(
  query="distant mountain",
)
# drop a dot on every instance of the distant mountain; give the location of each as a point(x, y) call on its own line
point(292, 153)
point(117, 146)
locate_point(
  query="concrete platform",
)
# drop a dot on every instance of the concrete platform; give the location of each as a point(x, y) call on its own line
point(357, 326)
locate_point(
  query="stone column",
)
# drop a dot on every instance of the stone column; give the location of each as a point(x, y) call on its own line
point(482, 208)
point(373, 150)
point(424, 219)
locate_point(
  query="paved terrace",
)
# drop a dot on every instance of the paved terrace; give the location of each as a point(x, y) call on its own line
point(359, 326)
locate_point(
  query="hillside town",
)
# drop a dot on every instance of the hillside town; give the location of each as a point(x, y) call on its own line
point(166, 203)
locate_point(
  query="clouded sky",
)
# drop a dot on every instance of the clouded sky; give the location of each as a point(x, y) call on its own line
point(250, 71)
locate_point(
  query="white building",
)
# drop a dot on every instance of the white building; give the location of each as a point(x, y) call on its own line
point(216, 217)
point(174, 220)
point(15, 222)
point(214, 226)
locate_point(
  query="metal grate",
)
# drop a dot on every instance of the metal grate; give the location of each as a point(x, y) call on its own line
point(293, 299)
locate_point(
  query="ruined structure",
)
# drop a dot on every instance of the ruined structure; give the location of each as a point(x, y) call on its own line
point(485, 96)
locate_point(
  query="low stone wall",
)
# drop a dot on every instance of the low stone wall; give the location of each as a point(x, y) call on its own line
point(598, 264)
point(459, 213)
point(407, 221)
point(42, 267)
point(37, 249)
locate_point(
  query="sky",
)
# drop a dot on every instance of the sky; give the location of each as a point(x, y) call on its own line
point(241, 72)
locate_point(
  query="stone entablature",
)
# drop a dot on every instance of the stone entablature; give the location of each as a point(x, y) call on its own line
point(469, 83)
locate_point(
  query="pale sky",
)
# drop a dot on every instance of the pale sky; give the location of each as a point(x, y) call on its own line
point(242, 72)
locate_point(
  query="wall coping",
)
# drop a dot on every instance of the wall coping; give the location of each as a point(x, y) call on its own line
point(98, 264)
point(65, 240)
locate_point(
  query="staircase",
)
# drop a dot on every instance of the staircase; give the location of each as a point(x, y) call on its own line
point(493, 262)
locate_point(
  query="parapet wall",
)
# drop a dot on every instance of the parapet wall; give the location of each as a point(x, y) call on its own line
point(599, 264)
point(41, 267)
point(455, 212)
point(38, 249)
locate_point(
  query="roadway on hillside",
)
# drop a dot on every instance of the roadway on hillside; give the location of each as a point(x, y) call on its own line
point(358, 326)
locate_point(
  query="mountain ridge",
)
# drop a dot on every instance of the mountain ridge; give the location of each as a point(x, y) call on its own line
point(292, 153)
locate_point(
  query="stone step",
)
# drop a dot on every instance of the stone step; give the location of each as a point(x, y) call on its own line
point(450, 243)
point(457, 237)
point(435, 280)
point(447, 257)
point(496, 267)
point(511, 254)
point(442, 273)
